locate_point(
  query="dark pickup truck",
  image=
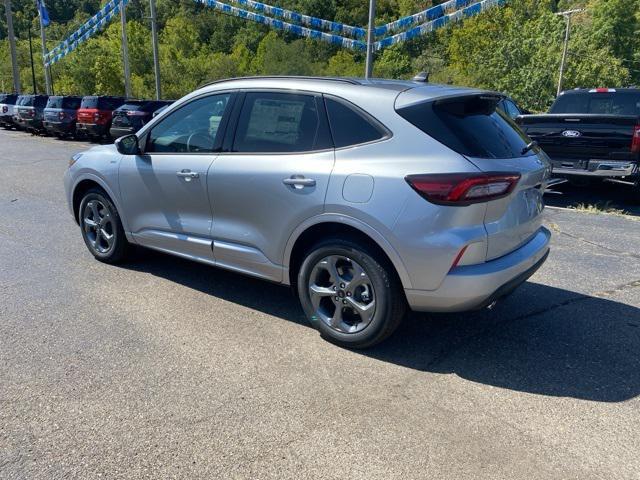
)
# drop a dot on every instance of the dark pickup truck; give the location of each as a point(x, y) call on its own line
point(591, 134)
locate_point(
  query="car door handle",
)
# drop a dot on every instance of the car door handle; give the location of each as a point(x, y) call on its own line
point(187, 174)
point(298, 181)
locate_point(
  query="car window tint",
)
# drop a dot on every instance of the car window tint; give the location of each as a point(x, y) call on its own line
point(192, 128)
point(277, 122)
point(54, 102)
point(349, 126)
point(511, 109)
point(609, 103)
point(471, 126)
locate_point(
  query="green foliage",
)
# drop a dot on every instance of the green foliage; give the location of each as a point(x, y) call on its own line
point(515, 49)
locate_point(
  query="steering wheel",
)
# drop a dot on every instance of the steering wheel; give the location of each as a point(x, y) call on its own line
point(199, 142)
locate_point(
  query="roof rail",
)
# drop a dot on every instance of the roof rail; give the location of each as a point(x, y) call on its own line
point(351, 81)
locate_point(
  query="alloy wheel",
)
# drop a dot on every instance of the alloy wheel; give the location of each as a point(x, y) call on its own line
point(342, 294)
point(98, 225)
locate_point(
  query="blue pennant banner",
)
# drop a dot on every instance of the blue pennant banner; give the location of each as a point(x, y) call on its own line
point(440, 22)
point(96, 20)
point(84, 33)
point(285, 26)
point(313, 22)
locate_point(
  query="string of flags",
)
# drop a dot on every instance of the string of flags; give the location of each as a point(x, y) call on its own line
point(336, 33)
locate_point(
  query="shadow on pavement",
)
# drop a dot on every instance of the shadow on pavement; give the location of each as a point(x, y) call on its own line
point(540, 340)
point(602, 194)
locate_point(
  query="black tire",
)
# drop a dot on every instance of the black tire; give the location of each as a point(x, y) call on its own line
point(114, 251)
point(390, 302)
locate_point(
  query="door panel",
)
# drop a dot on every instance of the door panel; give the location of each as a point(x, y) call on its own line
point(164, 190)
point(274, 178)
point(165, 208)
point(255, 212)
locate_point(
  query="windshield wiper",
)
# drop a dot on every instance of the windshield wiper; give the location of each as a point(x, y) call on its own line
point(529, 146)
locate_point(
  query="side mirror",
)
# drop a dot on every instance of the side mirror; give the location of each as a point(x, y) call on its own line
point(128, 145)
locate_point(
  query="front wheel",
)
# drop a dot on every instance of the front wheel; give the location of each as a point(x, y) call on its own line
point(352, 298)
point(101, 227)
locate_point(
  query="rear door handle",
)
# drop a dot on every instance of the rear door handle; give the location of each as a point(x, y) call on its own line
point(187, 174)
point(299, 181)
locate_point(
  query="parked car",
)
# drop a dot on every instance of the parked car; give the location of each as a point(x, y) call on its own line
point(95, 114)
point(30, 112)
point(365, 196)
point(7, 107)
point(60, 115)
point(132, 116)
point(591, 134)
point(509, 106)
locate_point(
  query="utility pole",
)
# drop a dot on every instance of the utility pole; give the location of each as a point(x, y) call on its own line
point(12, 46)
point(567, 15)
point(47, 73)
point(371, 38)
point(125, 51)
point(154, 39)
point(33, 70)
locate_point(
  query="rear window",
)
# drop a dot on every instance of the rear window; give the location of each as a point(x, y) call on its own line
point(131, 106)
point(27, 101)
point(54, 102)
point(89, 102)
point(609, 103)
point(8, 99)
point(471, 126)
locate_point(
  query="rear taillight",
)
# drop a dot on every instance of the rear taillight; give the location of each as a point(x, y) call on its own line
point(635, 141)
point(459, 189)
point(97, 116)
point(32, 113)
point(62, 115)
point(5, 109)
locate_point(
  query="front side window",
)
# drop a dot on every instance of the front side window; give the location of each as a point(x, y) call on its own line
point(193, 128)
point(277, 123)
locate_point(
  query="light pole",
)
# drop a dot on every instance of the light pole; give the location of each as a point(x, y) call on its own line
point(371, 38)
point(12, 46)
point(47, 73)
point(125, 51)
point(567, 15)
point(154, 39)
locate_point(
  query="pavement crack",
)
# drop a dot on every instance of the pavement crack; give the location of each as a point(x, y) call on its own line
point(595, 244)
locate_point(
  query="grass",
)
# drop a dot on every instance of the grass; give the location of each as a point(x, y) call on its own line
point(601, 208)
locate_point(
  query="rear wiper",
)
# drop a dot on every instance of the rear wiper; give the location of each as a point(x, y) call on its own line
point(529, 146)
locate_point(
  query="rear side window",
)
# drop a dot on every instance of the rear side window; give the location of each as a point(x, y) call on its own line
point(8, 99)
point(471, 126)
point(350, 126)
point(278, 123)
point(27, 101)
point(610, 103)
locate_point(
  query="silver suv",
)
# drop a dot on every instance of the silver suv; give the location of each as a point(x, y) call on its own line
point(367, 197)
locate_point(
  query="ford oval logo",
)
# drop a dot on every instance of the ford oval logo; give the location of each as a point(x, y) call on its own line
point(571, 133)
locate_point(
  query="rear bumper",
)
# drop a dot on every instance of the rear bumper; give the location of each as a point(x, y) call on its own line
point(475, 286)
point(596, 168)
point(92, 129)
point(59, 127)
point(31, 123)
point(6, 120)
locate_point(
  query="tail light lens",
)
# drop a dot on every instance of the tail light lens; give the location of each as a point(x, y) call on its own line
point(460, 189)
point(97, 116)
point(62, 115)
point(635, 141)
point(5, 109)
point(31, 113)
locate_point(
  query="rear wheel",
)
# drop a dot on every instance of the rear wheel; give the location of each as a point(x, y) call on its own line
point(101, 227)
point(349, 296)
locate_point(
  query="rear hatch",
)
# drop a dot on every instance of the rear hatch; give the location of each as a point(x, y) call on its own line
point(26, 110)
point(129, 115)
point(470, 124)
point(61, 109)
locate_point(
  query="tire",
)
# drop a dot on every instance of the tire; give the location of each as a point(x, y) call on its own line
point(363, 280)
point(97, 209)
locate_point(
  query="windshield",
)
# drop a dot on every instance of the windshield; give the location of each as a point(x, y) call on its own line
point(609, 103)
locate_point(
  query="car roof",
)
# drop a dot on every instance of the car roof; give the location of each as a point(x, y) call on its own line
point(412, 91)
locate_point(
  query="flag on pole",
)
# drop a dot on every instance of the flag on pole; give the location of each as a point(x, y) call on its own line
point(44, 14)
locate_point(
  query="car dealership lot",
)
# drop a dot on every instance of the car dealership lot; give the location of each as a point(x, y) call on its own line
point(168, 369)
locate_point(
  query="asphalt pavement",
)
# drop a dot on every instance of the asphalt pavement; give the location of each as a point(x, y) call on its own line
point(163, 368)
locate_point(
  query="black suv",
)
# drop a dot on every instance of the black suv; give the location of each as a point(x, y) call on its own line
point(132, 116)
point(29, 112)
